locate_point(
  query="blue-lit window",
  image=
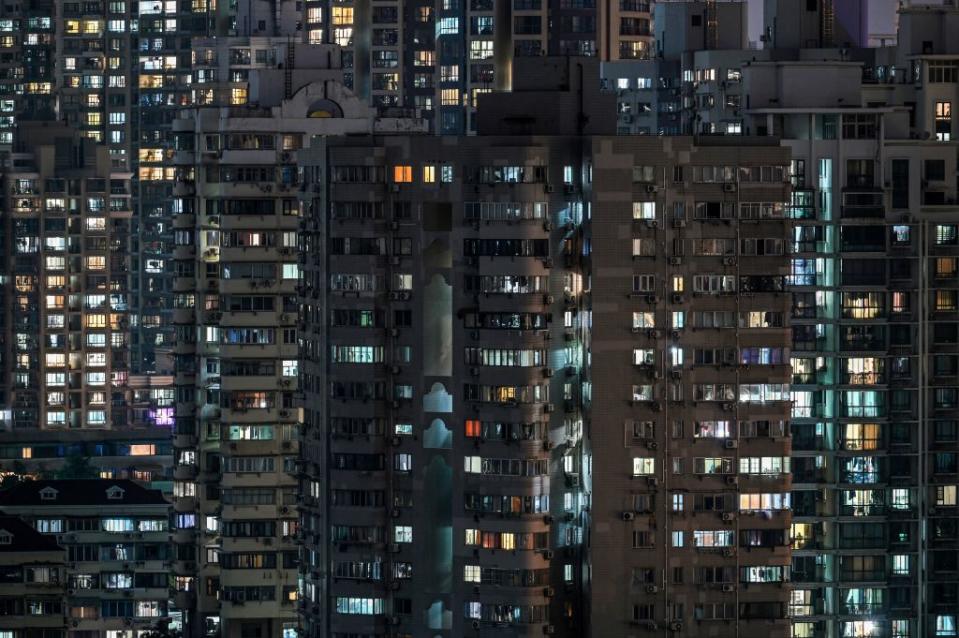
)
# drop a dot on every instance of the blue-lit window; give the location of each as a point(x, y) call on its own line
point(448, 26)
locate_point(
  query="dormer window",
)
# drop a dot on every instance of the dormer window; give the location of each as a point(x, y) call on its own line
point(48, 494)
point(6, 538)
point(115, 493)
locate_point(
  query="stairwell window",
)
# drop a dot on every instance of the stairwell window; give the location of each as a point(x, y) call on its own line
point(944, 121)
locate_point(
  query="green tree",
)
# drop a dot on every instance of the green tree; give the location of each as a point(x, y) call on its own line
point(162, 630)
point(76, 466)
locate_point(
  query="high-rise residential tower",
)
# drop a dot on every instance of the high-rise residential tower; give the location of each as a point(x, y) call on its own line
point(873, 174)
point(238, 197)
point(66, 222)
point(439, 56)
point(545, 382)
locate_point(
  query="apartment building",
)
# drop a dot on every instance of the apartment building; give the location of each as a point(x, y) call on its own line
point(691, 357)
point(119, 71)
point(522, 413)
point(34, 585)
point(178, 66)
point(69, 61)
point(236, 321)
point(816, 24)
point(66, 358)
point(653, 94)
point(872, 368)
point(438, 57)
point(27, 53)
point(117, 557)
point(76, 62)
point(870, 133)
point(161, 68)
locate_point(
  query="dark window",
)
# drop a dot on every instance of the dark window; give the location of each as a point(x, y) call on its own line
point(935, 170)
point(900, 183)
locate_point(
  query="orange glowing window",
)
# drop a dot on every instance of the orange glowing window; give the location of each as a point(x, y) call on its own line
point(472, 428)
point(403, 174)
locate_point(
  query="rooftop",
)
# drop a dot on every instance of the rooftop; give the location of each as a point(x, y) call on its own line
point(23, 538)
point(80, 492)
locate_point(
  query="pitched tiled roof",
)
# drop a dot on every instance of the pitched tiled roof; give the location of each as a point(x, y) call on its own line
point(80, 492)
point(23, 538)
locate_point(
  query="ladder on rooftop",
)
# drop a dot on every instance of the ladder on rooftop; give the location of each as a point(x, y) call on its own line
point(828, 17)
point(712, 25)
point(288, 70)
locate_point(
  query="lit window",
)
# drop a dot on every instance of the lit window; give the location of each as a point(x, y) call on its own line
point(56, 359)
point(96, 262)
point(449, 73)
point(449, 97)
point(481, 49)
point(945, 495)
point(644, 466)
point(900, 564)
point(644, 320)
point(644, 210)
point(342, 15)
point(402, 174)
point(945, 625)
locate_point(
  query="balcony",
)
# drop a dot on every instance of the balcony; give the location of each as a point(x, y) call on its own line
point(862, 511)
point(863, 208)
point(862, 609)
point(810, 476)
point(863, 576)
point(862, 378)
